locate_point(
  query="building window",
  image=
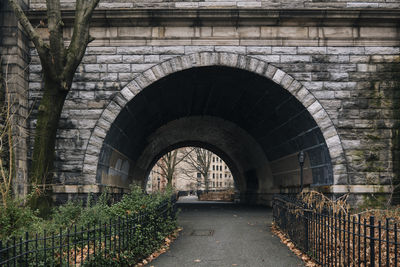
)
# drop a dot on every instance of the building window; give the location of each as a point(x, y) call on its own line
point(220, 175)
point(213, 184)
point(226, 167)
point(213, 159)
point(213, 175)
point(213, 167)
point(198, 175)
point(220, 168)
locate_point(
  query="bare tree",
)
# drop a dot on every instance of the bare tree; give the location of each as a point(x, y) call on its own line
point(59, 64)
point(6, 144)
point(169, 162)
point(198, 161)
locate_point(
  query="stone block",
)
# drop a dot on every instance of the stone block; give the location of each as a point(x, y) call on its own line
point(119, 67)
point(176, 64)
point(127, 93)
point(133, 59)
point(346, 50)
point(198, 48)
point(313, 50)
point(295, 58)
point(339, 76)
point(294, 87)
point(242, 62)
point(270, 72)
point(158, 71)
point(284, 50)
point(103, 123)
point(108, 77)
point(186, 5)
point(249, 4)
point(249, 32)
point(261, 67)
point(142, 81)
point(150, 76)
point(149, 59)
point(231, 49)
point(179, 32)
point(308, 100)
point(134, 50)
point(95, 67)
point(278, 76)
point(378, 32)
point(228, 59)
point(140, 67)
point(186, 62)
point(109, 59)
point(253, 63)
point(169, 50)
point(225, 32)
point(314, 108)
point(101, 50)
point(99, 132)
point(269, 58)
point(259, 50)
point(333, 141)
point(382, 50)
point(134, 32)
point(302, 93)
point(336, 32)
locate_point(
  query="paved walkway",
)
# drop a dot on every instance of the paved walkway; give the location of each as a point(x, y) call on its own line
point(224, 234)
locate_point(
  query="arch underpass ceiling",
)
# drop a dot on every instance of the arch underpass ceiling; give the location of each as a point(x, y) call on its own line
point(274, 119)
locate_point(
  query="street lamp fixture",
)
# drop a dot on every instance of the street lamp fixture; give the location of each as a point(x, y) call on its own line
point(302, 157)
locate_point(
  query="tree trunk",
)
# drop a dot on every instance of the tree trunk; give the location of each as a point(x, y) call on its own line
point(49, 112)
point(206, 183)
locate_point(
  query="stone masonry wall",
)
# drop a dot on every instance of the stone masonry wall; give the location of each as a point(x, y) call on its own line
point(352, 82)
point(257, 4)
point(14, 52)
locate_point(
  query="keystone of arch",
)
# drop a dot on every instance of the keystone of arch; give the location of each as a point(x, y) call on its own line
point(204, 59)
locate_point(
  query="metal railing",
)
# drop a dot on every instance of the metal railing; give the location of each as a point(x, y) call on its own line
point(73, 247)
point(338, 239)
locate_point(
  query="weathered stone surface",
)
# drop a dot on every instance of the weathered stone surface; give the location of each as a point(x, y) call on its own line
point(327, 68)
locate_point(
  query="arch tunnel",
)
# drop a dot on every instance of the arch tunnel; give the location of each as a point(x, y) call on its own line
point(256, 126)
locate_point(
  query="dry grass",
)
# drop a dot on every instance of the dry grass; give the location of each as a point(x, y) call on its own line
point(337, 236)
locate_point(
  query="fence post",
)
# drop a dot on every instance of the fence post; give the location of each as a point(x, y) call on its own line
point(306, 231)
point(372, 240)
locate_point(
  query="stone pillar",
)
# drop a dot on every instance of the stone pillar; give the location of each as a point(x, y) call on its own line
point(14, 51)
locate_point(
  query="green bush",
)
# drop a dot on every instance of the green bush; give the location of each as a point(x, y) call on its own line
point(145, 236)
point(16, 219)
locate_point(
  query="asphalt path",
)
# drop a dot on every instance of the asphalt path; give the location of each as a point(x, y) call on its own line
point(225, 234)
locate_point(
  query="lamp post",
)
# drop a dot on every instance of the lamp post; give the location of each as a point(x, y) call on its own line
point(301, 157)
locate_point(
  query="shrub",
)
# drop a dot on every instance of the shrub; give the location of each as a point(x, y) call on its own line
point(139, 237)
point(16, 219)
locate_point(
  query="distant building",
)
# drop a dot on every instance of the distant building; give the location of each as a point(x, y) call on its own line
point(187, 179)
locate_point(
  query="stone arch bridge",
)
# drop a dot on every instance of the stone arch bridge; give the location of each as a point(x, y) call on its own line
point(254, 81)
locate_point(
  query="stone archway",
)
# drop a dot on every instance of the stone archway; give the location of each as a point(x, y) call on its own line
point(174, 65)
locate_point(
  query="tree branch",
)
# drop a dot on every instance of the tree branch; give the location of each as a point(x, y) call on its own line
point(33, 35)
point(55, 26)
point(80, 37)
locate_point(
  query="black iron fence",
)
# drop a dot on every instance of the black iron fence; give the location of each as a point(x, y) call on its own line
point(74, 247)
point(338, 239)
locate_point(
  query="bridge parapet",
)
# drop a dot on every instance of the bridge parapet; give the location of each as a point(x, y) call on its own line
point(237, 4)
